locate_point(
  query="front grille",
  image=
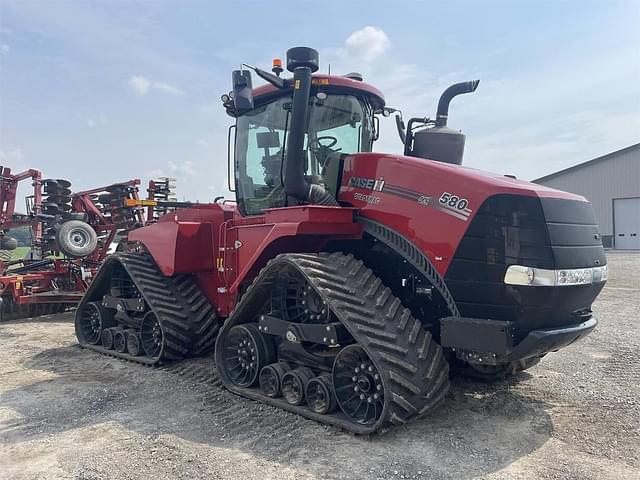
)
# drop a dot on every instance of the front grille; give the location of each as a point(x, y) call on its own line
point(517, 230)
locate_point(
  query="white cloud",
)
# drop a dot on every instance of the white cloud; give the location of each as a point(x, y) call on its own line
point(166, 88)
point(201, 142)
point(139, 84)
point(366, 44)
point(142, 85)
point(4, 49)
point(184, 169)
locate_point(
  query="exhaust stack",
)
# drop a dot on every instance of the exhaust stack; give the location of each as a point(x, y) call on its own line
point(454, 90)
point(437, 141)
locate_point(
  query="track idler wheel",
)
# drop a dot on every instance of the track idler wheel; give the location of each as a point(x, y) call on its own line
point(94, 319)
point(246, 351)
point(134, 345)
point(120, 341)
point(294, 384)
point(358, 385)
point(152, 336)
point(271, 378)
point(320, 396)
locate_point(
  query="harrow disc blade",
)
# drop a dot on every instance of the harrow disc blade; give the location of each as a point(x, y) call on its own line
point(54, 190)
point(57, 199)
point(58, 182)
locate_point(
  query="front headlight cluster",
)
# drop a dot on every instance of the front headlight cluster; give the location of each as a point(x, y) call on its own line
point(521, 275)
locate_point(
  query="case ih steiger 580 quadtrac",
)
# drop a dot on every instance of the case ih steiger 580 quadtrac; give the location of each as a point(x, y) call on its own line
point(349, 281)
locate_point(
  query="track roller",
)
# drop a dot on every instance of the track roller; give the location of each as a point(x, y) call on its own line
point(320, 396)
point(134, 345)
point(271, 378)
point(120, 341)
point(107, 338)
point(294, 384)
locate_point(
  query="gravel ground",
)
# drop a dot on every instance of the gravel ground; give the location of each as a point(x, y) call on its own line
point(67, 413)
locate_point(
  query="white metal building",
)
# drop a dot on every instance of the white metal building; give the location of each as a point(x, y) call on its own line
point(612, 185)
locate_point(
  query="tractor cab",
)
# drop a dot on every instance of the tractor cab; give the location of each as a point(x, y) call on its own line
point(338, 118)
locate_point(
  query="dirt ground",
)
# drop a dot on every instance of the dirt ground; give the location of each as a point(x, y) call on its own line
point(72, 414)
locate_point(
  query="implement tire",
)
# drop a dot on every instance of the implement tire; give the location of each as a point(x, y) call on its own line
point(76, 239)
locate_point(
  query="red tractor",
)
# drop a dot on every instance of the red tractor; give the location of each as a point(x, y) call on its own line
point(344, 284)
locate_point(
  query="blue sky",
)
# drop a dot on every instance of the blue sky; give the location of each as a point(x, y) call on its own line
point(99, 92)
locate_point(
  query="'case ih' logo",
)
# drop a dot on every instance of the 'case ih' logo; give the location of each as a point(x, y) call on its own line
point(367, 183)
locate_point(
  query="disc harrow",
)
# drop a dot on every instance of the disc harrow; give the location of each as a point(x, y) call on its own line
point(374, 367)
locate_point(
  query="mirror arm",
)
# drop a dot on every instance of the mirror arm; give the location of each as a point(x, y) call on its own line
point(401, 129)
point(269, 77)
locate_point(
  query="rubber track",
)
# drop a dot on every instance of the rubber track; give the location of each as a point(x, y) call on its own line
point(188, 319)
point(414, 370)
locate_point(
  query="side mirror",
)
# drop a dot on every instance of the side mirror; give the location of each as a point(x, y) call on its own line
point(242, 90)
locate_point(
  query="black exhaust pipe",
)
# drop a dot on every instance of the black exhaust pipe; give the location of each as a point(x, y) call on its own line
point(302, 61)
point(454, 90)
point(437, 141)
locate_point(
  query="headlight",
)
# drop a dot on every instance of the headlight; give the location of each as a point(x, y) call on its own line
point(520, 275)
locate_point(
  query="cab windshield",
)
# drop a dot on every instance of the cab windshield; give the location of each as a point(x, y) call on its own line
point(337, 125)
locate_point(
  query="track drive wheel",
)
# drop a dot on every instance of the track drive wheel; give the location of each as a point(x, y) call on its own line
point(246, 351)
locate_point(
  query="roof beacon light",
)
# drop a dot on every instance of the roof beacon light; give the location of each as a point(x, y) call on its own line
point(277, 66)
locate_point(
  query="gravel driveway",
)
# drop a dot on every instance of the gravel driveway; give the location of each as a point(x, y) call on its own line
point(70, 413)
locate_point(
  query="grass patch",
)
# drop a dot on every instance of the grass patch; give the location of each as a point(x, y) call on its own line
point(19, 252)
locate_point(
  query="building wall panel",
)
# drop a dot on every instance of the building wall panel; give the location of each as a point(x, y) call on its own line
point(600, 181)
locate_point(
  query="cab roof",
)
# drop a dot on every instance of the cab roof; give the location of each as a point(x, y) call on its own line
point(330, 84)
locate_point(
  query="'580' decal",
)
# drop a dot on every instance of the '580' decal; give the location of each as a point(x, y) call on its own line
point(451, 200)
point(454, 205)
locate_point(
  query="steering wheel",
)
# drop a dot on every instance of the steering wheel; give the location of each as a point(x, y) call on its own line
point(315, 146)
point(323, 152)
